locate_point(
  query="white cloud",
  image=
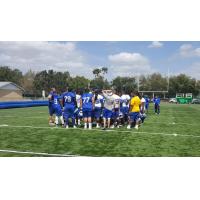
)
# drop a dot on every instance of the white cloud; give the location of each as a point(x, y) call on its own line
point(193, 70)
point(187, 50)
point(129, 64)
point(44, 55)
point(155, 44)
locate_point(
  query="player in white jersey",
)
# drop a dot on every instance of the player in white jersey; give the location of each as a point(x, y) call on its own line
point(125, 98)
point(108, 107)
point(98, 105)
point(142, 107)
point(78, 112)
point(142, 114)
point(116, 110)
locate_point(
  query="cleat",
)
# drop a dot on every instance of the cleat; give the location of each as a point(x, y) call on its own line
point(66, 126)
point(128, 127)
point(136, 127)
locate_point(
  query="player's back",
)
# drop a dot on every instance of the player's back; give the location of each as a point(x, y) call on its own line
point(135, 104)
point(78, 100)
point(55, 100)
point(157, 101)
point(69, 99)
point(87, 101)
point(99, 101)
point(116, 101)
point(125, 100)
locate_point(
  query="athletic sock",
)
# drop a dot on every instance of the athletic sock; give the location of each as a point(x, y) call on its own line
point(62, 120)
point(90, 125)
point(56, 120)
point(85, 125)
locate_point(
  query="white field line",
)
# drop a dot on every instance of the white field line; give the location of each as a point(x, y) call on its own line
point(119, 131)
point(8, 116)
point(36, 153)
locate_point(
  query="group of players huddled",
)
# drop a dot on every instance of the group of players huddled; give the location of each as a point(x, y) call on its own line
point(98, 108)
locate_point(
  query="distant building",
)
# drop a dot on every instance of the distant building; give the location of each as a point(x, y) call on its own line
point(10, 91)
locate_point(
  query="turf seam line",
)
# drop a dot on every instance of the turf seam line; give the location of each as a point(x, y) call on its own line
point(37, 153)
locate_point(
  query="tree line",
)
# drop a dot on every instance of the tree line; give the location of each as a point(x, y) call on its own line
point(35, 82)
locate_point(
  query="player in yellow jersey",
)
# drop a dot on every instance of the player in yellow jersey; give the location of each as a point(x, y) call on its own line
point(134, 111)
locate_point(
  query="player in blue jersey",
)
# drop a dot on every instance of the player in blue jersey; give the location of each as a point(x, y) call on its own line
point(58, 109)
point(87, 105)
point(98, 105)
point(157, 105)
point(50, 106)
point(147, 101)
point(69, 104)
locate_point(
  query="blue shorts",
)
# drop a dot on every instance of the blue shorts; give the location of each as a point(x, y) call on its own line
point(58, 111)
point(134, 116)
point(107, 113)
point(87, 112)
point(124, 110)
point(69, 112)
point(51, 110)
point(97, 113)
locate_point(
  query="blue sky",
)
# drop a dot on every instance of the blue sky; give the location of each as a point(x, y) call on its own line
point(121, 58)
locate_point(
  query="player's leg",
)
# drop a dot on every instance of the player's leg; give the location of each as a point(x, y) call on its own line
point(51, 112)
point(97, 114)
point(117, 119)
point(57, 113)
point(104, 118)
point(158, 112)
point(89, 119)
point(130, 120)
point(85, 118)
point(109, 115)
point(112, 120)
point(136, 119)
point(155, 108)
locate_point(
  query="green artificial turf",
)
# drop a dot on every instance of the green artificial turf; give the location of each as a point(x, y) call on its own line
point(175, 132)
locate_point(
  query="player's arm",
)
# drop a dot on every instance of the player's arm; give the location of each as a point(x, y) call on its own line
point(131, 104)
point(49, 96)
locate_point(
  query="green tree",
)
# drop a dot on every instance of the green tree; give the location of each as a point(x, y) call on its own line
point(79, 82)
point(11, 75)
point(127, 84)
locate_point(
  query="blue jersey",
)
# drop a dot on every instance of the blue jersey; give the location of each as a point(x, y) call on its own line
point(87, 101)
point(69, 99)
point(55, 99)
point(146, 100)
point(157, 101)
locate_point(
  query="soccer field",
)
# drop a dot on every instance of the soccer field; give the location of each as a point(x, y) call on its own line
point(175, 132)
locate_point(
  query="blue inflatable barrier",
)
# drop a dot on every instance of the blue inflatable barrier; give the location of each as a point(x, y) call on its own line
point(22, 104)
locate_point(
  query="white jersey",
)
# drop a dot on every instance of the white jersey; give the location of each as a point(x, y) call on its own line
point(143, 101)
point(99, 101)
point(78, 100)
point(109, 101)
point(125, 98)
point(116, 100)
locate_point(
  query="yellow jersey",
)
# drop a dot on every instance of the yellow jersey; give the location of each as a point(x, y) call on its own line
point(135, 104)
